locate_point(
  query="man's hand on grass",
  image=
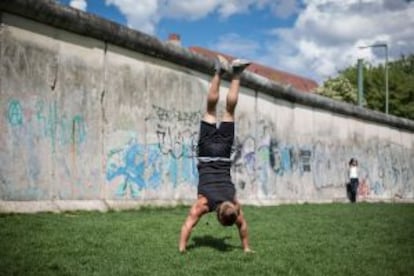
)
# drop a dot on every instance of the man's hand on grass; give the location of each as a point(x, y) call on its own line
point(249, 251)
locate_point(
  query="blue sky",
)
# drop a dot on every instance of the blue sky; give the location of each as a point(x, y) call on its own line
point(311, 38)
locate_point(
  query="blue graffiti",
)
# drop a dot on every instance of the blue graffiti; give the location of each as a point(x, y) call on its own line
point(378, 188)
point(132, 170)
point(154, 166)
point(285, 160)
point(145, 167)
point(78, 130)
point(14, 113)
point(281, 159)
point(58, 127)
point(189, 168)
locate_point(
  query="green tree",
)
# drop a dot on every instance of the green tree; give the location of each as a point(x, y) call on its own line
point(401, 86)
point(339, 88)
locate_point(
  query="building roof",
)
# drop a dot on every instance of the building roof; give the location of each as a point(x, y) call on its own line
point(298, 82)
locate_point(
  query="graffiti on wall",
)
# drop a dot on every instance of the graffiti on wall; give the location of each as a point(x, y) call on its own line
point(43, 119)
point(33, 124)
point(390, 172)
point(137, 171)
point(171, 159)
point(164, 155)
point(261, 160)
point(15, 113)
point(260, 157)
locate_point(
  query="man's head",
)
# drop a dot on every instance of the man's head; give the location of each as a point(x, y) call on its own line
point(227, 213)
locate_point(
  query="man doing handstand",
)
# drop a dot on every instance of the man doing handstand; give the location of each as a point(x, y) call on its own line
point(216, 192)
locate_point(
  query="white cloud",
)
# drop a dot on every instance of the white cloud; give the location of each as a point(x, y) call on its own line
point(324, 38)
point(188, 9)
point(236, 45)
point(142, 15)
point(284, 8)
point(327, 34)
point(78, 4)
point(281, 8)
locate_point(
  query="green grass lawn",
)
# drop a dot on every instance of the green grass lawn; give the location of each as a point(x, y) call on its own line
point(326, 239)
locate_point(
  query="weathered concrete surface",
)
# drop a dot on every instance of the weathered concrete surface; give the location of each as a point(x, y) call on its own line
point(102, 119)
point(84, 24)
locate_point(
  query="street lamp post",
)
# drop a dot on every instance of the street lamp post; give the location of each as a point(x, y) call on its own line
point(385, 46)
point(360, 82)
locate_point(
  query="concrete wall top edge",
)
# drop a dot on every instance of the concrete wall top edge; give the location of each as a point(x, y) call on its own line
point(51, 13)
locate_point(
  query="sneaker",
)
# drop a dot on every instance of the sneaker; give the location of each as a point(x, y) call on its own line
point(238, 65)
point(221, 65)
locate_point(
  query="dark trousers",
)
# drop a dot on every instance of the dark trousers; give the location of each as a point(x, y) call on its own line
point(354, 189)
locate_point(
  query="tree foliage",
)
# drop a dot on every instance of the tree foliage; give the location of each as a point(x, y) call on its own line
point(339, 88)
point(401, 86)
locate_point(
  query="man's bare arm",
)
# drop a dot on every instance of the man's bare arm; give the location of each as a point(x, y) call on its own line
point(243, 233)
point(197, 210)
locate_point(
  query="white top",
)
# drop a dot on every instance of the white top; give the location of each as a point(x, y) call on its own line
point(353, 172)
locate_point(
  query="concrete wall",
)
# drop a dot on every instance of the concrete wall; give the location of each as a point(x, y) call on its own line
point(89, 123)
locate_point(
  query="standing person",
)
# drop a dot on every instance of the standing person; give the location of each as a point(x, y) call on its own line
point(353, 179)
point(216, 192)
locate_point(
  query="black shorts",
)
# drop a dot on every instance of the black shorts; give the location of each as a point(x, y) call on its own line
point(215, 141)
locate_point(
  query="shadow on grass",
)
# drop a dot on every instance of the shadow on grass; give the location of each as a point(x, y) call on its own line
point(210, 241)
